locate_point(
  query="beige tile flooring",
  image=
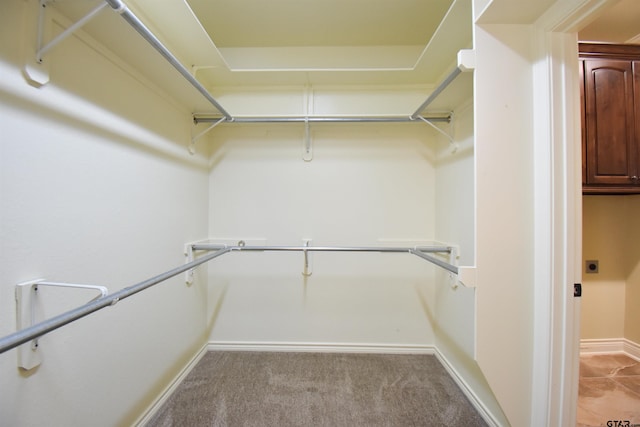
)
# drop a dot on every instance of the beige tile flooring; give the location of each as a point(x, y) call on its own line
point(609, 391)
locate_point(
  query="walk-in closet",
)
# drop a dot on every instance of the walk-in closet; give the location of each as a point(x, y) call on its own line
point(188, 181)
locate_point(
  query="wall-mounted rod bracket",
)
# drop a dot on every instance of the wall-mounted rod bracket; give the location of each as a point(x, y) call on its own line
point(29, 308)
point(452, 143)
point(102, 289)
point(192, 145)
point(189, 253)
point(27, 334)
point(307, 150)
point(42, 50)
point(307, 270)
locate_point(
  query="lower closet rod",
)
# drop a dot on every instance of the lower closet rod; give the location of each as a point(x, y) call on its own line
point(39, 329)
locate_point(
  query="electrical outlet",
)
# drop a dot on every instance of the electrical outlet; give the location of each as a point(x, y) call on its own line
point(591, 266)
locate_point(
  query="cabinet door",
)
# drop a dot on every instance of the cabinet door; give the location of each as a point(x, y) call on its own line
point(636, 107)
point(611, 148)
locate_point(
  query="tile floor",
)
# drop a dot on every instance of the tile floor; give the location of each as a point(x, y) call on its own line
point(609, 391)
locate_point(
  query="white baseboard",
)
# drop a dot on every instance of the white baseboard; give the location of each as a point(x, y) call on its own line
point(321, 347)
point(468, 392)
point(632, 349)
point(610, 345)
point(168, 391)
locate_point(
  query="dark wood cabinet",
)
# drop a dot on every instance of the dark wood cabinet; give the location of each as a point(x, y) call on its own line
point(610, 118)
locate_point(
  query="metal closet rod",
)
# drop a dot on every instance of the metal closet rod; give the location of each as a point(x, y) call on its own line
point(137, 24)
point(119, 7)
point(442, 86)
point(420, 251)
point(27, 334)
point(133, 20)
point(320, 119)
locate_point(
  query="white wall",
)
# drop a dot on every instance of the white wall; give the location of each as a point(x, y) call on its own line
point(367, 185)
point(455, 313)
point(94, 190)
point(455, 223)
point(505, 228)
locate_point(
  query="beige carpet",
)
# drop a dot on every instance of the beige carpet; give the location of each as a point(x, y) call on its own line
point(317, 389)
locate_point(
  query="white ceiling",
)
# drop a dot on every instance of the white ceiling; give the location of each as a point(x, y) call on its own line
point(619, 23)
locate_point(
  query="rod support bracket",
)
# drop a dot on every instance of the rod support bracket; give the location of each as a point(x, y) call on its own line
point(189, 257)
point(307, 268)
point(195, 138)
point(29, 308)
point(467, 60)
point(453, 260)
point(307, 149)
point(447, 135)
point(36, 71)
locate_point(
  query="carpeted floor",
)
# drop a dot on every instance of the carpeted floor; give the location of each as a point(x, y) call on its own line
point(317, 389)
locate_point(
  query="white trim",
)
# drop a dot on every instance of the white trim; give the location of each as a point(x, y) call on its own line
point(468, 392)
point(609, 346)
point(601, 346)
point(557, 212)
point(555, 378)
point(321, 347)
point(170, 389)
point(632, 349)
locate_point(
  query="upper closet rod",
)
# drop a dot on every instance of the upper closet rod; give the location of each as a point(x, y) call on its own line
point(133, 20)
point(39, 329)
point(319, 119)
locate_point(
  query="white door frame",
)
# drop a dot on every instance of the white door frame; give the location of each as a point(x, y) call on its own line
point(558, 211)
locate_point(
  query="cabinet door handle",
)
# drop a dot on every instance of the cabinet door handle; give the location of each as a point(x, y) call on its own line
point(634, 178)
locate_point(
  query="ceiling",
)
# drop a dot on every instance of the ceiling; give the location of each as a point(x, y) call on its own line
point(619, 23)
